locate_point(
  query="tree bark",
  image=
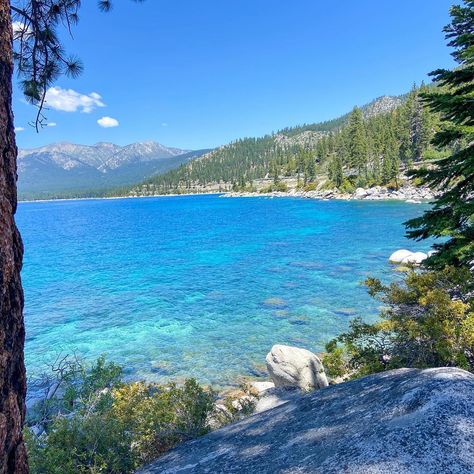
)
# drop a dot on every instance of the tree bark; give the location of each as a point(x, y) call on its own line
point(13, 458)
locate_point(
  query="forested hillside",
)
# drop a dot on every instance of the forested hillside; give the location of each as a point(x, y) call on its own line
point(365, 147)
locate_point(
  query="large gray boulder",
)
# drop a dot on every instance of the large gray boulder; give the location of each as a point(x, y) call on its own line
point(295, 367)
point(405, 421)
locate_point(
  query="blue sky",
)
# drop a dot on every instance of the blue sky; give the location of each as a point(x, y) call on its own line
point(200, 74)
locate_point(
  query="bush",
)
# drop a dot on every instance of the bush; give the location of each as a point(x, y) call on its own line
point(428, 322)
point(347, 186)
point(335, 360)
point(393, 184)
point(275, 187)
point(433, 154)
point(310, 187)
point(98, 424)
point(417, 182)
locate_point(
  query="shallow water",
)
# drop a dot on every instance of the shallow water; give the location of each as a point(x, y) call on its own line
point(198, 285)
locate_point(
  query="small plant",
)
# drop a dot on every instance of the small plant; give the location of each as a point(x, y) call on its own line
point(96, 423)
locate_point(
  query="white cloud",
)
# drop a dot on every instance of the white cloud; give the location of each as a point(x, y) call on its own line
point(164, 124)
point(19, 129)
point(108, 122)
point(68, 100)
point(51, 124)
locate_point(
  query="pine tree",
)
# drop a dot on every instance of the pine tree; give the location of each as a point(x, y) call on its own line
point(310, 168)
point(338, 172)
point(358, 148)
point(403, 126)
point(421, 128)
point(452, 215)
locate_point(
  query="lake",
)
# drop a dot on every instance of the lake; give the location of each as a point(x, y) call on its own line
point(202, 286)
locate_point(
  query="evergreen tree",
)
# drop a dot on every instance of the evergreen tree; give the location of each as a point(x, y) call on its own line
point(452, 215)
point(358, 149)
point(310, 168)
point(421, 133)
point(403, 127)
point(337, 171)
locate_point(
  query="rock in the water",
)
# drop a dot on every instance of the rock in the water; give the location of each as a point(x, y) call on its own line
point(294, 367)
point(406, 421)
point(415, 258)
point(407, 257)
point(399, 256)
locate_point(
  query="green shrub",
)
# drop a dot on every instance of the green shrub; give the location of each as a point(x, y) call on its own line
point(335, 360)
point(433, 154)
point(275, 187)
point(327, 185)
point(393, 184)
point(98, 424)
point(310, 187)
point(417, 182)
point(347, 186)
point(428, 321)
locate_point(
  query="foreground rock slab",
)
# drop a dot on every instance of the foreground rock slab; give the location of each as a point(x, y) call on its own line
point(403, 421)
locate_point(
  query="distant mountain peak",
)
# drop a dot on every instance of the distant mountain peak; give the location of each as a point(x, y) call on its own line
point(65, 166)
point(381, 105)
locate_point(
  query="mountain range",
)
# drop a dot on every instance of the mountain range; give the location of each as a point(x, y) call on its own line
point(71, 170)
point(67, 168)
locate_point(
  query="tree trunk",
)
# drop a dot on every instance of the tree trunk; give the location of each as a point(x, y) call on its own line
point(13, 457)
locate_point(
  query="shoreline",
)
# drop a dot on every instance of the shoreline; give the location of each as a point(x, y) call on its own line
point(408, 194)
point(116, 197)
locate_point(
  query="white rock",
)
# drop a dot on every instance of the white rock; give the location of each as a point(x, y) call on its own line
point(431, 253)
point(399, 256)
point(294, 367)
point(415, 258)
point(261, 387)
point(360, 193)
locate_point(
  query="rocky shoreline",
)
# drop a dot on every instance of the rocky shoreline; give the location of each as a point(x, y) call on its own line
point(407, 193)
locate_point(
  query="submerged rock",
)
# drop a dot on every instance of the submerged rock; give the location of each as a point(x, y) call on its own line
point(275, 302)
point(405, 421)
point(294, 367)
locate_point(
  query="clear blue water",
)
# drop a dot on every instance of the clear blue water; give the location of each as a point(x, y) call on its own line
point(199, 286)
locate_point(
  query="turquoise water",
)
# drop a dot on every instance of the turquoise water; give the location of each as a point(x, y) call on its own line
point(199, 285)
